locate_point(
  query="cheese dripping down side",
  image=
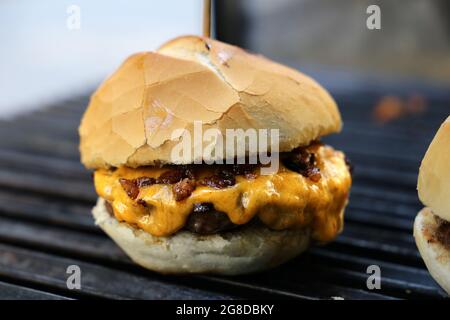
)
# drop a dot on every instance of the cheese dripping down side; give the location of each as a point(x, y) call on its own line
point(283, 200)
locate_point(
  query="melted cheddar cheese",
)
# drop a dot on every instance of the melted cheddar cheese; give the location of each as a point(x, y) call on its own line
point(284, 200)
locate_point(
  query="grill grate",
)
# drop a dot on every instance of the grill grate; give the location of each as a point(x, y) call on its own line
point(45, 223)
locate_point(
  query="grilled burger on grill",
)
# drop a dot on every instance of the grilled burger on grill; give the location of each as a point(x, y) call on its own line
point(432, 224)
point(221, 218)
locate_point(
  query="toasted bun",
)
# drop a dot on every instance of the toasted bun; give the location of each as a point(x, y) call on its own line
point(132, 116)
point(435, 255)
point(251, 249)
point(434, 175)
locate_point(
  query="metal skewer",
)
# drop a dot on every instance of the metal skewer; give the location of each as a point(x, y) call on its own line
point(207, 18)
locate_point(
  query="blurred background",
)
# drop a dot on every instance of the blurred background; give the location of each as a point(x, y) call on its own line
point(414, 39)
point(46, 55)
point(392, 86)
point(54, 49)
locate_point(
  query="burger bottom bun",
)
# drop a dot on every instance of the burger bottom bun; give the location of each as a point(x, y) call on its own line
point(249, 249)
point(434, 253)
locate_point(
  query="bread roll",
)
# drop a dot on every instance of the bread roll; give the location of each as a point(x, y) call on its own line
point(133, 114)
point(434, 175)
point(433, 252)
point(250, 249)
point(434, 191)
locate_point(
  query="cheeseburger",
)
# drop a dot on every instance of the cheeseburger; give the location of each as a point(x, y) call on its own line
point(432, 224)
point(197, 213)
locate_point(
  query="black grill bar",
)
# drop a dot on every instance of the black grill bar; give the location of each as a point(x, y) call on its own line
point(99, 281)
point(45, 222)
point(10, 291)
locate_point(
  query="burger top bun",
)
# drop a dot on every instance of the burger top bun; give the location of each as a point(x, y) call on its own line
point(133, 116)
point(434, 174)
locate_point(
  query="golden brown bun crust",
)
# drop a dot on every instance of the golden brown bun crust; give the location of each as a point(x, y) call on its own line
point(131, 116)
point(434, 253)
point(434, 175)
point(249, 250)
